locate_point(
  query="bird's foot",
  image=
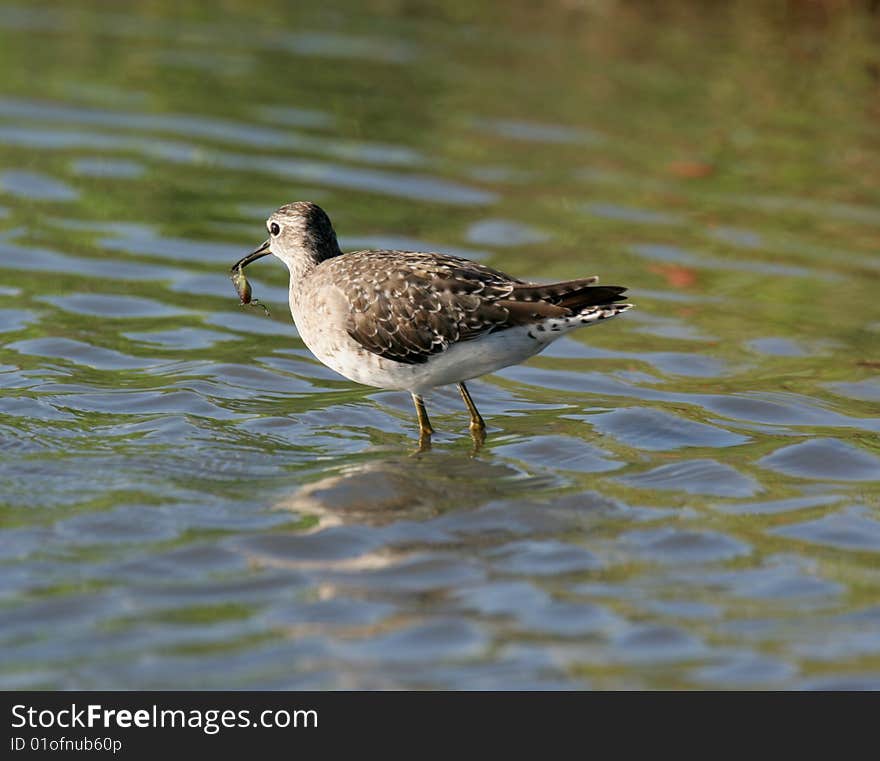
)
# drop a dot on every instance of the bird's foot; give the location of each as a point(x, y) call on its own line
point(424, 442)
point(478, 437)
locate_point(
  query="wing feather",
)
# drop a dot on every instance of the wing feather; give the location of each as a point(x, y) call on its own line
point(408, 306)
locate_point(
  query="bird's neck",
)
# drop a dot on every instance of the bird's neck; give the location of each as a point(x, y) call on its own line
point(313, 250)
point(301, 269)
point(307, 260)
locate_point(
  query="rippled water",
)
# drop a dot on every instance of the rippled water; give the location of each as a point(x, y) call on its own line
point(685, 497)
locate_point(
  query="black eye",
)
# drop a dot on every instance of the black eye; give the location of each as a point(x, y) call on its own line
point(274, 229)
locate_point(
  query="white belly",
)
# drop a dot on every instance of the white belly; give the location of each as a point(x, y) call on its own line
point(471, 359)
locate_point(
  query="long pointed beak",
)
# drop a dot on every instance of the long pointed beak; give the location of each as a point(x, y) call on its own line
point(257, 253)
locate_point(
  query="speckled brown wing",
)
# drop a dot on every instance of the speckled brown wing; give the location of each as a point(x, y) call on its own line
point(408, 306)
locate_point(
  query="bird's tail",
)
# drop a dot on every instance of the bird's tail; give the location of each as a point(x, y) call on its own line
point(573, 295)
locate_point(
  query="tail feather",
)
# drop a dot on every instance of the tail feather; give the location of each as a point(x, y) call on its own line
point(550, 292)
point(559, 307)
point(596, 295)
point(573, 295)
point(549, 329)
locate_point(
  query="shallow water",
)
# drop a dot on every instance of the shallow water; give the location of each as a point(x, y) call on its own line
point(688, 496)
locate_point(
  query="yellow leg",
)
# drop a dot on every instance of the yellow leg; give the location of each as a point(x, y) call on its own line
point(425, 429)
point(477, 423)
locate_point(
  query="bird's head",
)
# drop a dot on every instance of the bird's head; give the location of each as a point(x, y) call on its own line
point(300, 235)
